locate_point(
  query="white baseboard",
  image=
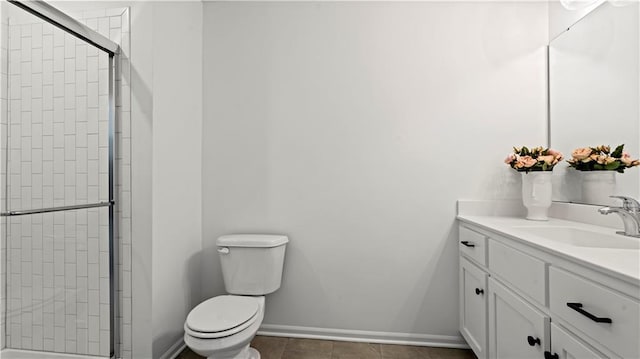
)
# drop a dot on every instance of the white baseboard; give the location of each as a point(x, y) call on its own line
point(444, 341)
point(363, 336)
point(174, 350)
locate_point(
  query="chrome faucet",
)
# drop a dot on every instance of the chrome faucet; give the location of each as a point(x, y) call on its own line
point(630, 214)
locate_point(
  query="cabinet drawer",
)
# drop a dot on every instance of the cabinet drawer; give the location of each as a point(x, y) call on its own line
point(620, 336)
point(473, 245)
point(521, 270)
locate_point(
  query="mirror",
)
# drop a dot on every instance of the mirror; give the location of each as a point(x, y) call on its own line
point(594, 98)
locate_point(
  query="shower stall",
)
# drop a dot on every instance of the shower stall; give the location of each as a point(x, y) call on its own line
point(63, 182)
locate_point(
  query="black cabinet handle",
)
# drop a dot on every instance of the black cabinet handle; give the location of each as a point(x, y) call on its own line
point(578, 308)
point(479, 291)
point(548, 355)
point(466, 243)
point(533, 341)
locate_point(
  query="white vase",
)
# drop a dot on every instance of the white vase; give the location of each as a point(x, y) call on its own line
point(536, 194)
point(597, 186)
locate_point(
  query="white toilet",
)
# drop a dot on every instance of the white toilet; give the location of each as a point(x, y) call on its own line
point(222, 327)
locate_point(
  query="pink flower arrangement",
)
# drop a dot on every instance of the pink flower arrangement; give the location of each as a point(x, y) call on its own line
point(524, 159)
point(601, 158)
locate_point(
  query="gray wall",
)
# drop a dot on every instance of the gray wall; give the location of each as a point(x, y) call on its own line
point(177, 173)
point(353, 128)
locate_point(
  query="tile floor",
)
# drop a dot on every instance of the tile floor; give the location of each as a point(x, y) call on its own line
point(290, 348)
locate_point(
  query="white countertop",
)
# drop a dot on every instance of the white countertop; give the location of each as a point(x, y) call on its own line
point(620, 263)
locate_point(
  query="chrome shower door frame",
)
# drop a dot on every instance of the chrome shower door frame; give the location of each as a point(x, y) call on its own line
point(65, 22)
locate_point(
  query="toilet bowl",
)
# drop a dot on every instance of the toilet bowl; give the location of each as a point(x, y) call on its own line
point(223, 327)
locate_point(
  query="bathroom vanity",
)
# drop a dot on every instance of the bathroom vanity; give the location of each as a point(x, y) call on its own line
point(555, 289)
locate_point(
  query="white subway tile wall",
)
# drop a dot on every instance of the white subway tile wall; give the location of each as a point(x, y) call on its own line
point(55, 118)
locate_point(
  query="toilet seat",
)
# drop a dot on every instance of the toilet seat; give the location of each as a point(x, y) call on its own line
point(222, 316)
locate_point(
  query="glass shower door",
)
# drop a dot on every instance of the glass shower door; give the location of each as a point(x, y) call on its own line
point(55, 134)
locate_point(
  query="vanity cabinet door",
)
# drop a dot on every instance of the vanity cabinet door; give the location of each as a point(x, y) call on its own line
point(565, 346)
point(516, 328)
point(473, 307)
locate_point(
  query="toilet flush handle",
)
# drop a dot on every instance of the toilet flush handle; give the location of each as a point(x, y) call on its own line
point(223, 250)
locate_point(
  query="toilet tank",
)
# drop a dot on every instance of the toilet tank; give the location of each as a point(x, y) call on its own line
point(252, 263)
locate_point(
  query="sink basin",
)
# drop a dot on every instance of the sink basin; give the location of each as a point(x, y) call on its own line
point(583, 238)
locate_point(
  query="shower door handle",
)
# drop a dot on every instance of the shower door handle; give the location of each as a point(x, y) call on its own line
point(57, 209)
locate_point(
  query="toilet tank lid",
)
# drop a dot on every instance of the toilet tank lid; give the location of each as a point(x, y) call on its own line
point(252, 240)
